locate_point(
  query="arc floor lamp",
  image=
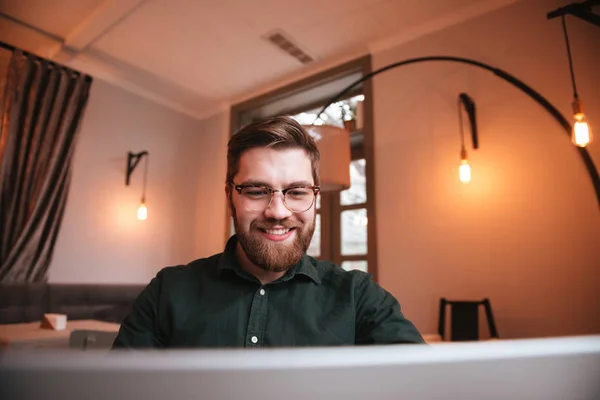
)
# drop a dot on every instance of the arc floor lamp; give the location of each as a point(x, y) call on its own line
point(576, 10)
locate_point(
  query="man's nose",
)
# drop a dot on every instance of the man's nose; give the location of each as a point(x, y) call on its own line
point(277, 209)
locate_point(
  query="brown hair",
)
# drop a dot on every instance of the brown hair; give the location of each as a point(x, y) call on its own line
point(277, 133)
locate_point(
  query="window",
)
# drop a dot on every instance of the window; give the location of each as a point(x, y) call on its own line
point(344, 240)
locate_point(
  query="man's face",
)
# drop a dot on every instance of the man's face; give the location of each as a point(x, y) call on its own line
point(274, 239)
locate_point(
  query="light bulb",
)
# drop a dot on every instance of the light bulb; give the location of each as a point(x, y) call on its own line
point(581, 135)
point(142, 212)
point(464, 171)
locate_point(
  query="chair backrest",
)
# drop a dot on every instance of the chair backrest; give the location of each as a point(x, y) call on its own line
point(89, 339)
point(464, 320)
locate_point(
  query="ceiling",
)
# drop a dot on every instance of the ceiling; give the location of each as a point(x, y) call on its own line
point(199, 56)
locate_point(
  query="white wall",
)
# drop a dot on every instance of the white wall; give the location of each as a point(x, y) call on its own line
point(526, 231)
point(101, 240)
point(210, 162)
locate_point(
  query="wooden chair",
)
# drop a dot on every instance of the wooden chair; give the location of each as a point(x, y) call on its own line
point(464, 320)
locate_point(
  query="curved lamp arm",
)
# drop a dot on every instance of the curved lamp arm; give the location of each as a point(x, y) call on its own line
point(538, 98)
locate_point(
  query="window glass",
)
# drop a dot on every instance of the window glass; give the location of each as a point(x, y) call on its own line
point(314, 249)
point(357, 193)
point(359, 265)
point(354, 232)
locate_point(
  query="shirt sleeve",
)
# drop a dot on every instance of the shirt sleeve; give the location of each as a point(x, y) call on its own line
point(379, 319)
point(140, 329)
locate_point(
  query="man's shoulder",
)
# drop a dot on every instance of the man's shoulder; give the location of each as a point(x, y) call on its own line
point(335, 275)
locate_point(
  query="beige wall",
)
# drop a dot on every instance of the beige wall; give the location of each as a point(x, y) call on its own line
point(526, 231)
point(101, 239)
point(211, 163)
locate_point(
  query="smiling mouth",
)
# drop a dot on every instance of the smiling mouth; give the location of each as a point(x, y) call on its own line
point(277, 231)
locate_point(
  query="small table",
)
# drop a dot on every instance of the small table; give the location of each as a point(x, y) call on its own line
point(431, 337)
point(29, 335)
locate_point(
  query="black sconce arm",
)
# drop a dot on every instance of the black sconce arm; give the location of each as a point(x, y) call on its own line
point(469, 107)
point(132, 161)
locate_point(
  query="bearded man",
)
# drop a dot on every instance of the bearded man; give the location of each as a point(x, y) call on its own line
point(263, 290)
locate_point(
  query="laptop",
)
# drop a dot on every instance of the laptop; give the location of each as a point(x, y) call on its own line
point(550, 368)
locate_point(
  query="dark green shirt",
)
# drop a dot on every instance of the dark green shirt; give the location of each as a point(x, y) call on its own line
point(212, 302)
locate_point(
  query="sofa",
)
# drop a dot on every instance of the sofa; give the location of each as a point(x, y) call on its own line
point(29, 302)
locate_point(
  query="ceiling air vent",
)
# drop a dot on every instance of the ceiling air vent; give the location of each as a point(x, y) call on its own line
point(280, 40)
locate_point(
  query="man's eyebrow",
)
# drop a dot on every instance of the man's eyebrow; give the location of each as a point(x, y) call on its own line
point(252, 182)
point(300, 184)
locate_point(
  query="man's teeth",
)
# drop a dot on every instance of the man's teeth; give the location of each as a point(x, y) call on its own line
point(277, 231)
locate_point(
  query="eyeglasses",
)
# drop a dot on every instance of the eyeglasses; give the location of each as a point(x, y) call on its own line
point(259, 198)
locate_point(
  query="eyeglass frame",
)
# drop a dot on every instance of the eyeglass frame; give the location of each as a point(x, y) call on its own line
point(238, 188)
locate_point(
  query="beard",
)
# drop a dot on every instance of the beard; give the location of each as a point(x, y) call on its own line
point(274, 256)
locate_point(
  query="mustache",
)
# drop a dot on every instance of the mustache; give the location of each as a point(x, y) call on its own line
point(271, 223)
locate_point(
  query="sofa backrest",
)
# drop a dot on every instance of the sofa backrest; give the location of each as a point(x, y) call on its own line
point(22, 302)
point(28, 302)
point(102, 302)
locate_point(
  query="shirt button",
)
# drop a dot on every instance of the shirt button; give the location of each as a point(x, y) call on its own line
point(254, 339)
point(262, 292)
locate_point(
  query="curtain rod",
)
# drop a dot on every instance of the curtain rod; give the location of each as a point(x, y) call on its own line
point(12, 48)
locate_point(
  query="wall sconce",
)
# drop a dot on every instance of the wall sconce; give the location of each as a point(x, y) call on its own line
point(466, 102)
point(132, 161)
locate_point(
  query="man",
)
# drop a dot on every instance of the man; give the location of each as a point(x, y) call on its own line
point(263, 290)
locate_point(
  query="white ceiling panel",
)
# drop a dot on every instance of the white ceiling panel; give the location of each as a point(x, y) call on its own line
point(392, 14)
point(57, 17)
point(265, 15)
point(196, 54)
point(351, 29)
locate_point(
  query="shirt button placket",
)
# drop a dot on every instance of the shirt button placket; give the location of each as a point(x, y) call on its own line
point(258, 319)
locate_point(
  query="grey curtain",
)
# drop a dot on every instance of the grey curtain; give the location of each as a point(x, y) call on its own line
point(42, 107)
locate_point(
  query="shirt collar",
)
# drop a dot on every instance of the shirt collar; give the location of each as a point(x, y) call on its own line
point(307, 265)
